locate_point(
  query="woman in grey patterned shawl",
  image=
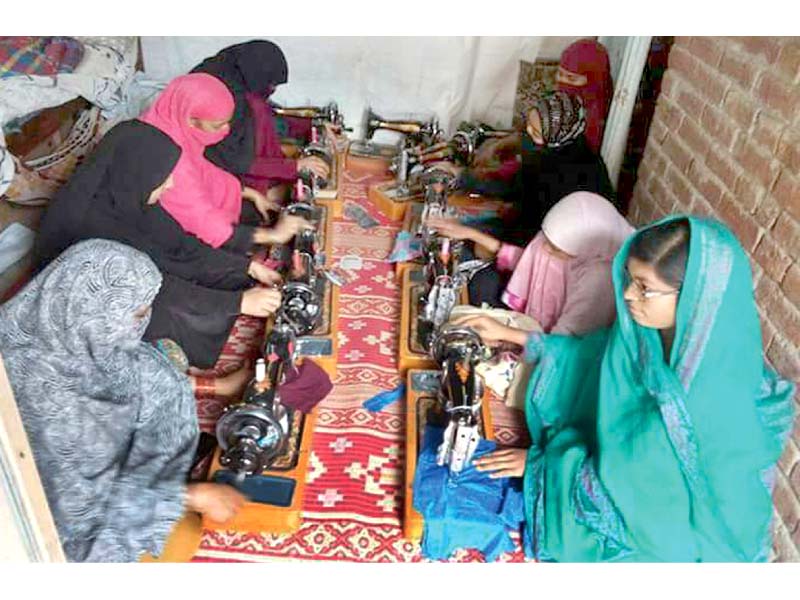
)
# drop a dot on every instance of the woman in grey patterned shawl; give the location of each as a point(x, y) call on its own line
point(112, 424)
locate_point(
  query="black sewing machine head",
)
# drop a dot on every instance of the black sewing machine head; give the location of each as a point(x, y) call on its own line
point(322, 150)
point(469, 137)
point(458, 350)
point(253, 433)
point(301, 308)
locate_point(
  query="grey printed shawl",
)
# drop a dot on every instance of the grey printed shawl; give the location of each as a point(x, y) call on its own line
point(112, 424)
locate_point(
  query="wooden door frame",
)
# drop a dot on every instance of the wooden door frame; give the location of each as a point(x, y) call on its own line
point(27, 524)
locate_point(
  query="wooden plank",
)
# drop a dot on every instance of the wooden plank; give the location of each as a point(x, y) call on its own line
point(32, 523)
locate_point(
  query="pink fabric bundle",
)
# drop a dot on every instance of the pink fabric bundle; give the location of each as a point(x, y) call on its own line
point(204, 199)
point(575, 295)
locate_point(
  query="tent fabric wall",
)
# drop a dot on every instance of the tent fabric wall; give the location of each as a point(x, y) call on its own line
point(455, 78)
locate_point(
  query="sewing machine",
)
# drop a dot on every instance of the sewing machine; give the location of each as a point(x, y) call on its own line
point(454, 398)
point(429, 293)
point(392, 197)
point(445, 270)
point(367, 155)
point(304, 261)
point(264, 448)
point(264, 445)
point(461, 147)
point(318, 114)
point(323, 147)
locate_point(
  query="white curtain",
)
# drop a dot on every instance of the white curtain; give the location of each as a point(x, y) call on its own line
point(454, 78)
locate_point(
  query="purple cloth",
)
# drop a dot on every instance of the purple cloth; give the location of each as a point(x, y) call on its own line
point(305, 386)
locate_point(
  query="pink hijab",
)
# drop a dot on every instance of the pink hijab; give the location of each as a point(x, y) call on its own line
point(204, 199)
point(590, 59)
point(572, 296)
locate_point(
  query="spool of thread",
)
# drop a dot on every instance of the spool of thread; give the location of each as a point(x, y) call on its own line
point(445, 250)
point(261, 370)
point(297, 263)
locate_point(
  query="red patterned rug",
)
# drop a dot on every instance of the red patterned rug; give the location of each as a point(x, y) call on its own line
point(354, 495)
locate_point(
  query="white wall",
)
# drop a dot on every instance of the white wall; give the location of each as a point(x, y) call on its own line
point(453, 77)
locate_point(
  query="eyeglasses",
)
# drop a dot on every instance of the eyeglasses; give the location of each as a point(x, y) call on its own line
point(642, 292)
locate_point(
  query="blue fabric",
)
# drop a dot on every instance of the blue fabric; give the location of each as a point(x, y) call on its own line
point(466, 509)
point(384, 399)
point(406, 247)
point(483, 217)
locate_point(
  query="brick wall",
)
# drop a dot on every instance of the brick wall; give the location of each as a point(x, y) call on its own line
point(725, 141)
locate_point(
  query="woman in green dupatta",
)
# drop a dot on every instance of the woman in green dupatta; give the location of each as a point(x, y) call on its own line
point(656, 439)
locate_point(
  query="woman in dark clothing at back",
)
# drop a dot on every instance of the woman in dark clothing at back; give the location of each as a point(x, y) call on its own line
point(114, 195)
point(252, 150)
point(555, 163)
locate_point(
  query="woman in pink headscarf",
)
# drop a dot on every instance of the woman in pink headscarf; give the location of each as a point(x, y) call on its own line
point(563, 277)
point(585, 70)
point(194, 111)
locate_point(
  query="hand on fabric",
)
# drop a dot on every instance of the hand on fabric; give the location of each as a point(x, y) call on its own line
point(492, 332)
point(264, 274)
point(314, 164)
point(262, 202)
point(216, 501)
point(451, 228)
point(260, 301)
point(509, 462)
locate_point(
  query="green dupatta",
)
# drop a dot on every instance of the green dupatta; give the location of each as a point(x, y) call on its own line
point(635, 460)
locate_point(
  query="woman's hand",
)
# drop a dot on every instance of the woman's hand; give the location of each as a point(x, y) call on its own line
point(285, 229)
point(509, 462)
point(496, 149)
point(492, 332)
point(278, 194)
point(260, 301)
point(263, 274)
point(218, 502)
point(454, 229)
point(263, 204)
point(314, 164)
point(451, 228)
point(438, 151)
